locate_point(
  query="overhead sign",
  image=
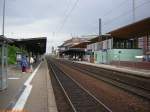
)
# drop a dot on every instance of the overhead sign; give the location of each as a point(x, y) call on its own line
point(139, 57)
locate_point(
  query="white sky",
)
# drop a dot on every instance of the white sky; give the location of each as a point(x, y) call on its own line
point(36, 18)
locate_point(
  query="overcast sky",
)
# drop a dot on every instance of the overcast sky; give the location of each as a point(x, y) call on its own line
point(58, 20)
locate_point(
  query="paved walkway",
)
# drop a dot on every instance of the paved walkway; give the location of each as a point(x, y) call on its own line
point(134, 71)
point(41, 98)
point(16, 80)
point(29, 92)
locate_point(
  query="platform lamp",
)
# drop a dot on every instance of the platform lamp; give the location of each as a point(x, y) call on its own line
point(3, 20)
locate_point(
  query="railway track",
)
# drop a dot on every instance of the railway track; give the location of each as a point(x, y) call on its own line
point(61, 100)
point(80, 99)
point(136, 85)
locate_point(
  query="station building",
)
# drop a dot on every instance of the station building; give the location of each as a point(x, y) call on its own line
point(69, 50)
point(126, 46)
point(132, 41)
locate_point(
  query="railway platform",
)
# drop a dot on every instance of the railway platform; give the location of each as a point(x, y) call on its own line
point(134, 71)
point(29, 92)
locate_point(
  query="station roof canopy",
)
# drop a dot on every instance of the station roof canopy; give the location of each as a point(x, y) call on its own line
point(73, 50)
point(73, 42)
point(100, 38)
point(81, 45)
point(35, 45)
point(92, 40)
point(137, 29)
point(4, 39)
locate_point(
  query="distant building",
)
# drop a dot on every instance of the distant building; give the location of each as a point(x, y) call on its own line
point(66, 50)
point(126, 46)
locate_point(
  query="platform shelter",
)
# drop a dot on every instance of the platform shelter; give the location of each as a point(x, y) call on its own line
point(35, 47)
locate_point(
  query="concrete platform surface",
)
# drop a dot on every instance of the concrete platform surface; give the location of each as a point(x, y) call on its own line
point(29, 92)
point(41, 98)
point(134, 71)
point(16, 80)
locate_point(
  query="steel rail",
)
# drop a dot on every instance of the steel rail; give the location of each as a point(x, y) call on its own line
point(102, 104)
point(63, 89)
point(144, 93)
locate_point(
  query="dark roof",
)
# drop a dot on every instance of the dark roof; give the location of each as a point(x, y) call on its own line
point(81, 45)
point(73, 41)
point(136, 29)
point(73, 50)
point(90, 41)
point(35, 45)
point(4, 39)
point(100, 38)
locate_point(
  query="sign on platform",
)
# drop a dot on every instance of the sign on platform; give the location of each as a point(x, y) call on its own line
point(139, 57)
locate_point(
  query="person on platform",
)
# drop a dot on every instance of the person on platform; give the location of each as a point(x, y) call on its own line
point(24, 64)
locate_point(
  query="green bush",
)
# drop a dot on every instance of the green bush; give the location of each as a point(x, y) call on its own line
point(12, 50)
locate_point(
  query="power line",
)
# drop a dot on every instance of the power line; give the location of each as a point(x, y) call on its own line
point(112, 9)
point(65, 13)
point(68, 15)
point(116, 7)
point(125, 13)
point(74, 6)
point(67, 7)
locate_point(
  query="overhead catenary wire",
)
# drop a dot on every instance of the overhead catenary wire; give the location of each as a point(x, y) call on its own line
point(66, 10)
point(68, 15)
point(126, 12)
point(74, 6)
point(115, 8)
point(121, 4)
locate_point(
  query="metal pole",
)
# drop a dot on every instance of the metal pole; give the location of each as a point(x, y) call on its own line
point(119, 59)
point(3, 24)
point(100, 27)
point(133, 9)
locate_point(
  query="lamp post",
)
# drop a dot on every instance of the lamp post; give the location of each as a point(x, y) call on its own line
point(3, 56)
point(3, 21)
